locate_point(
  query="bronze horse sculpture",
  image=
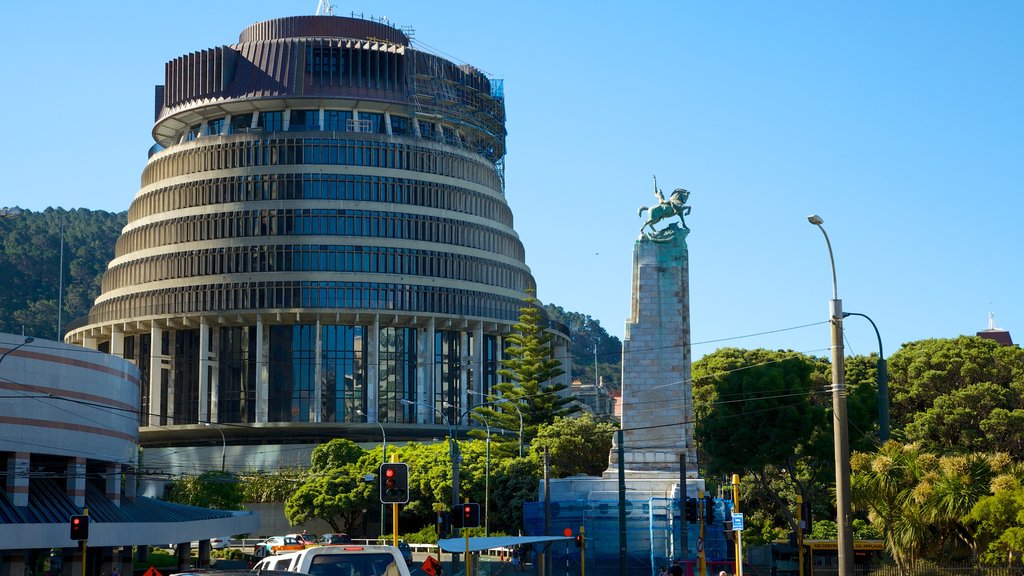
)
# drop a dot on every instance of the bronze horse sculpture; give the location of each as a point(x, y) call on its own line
point(674, 206)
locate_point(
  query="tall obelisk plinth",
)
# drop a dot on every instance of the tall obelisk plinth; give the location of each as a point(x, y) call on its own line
point(657, 395)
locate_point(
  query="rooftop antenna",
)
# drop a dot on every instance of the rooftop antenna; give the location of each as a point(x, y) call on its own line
point(324, 8)
point(991, 320)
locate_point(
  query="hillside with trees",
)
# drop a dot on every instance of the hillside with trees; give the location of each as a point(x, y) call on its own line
point(32, 259)
point(587, 335)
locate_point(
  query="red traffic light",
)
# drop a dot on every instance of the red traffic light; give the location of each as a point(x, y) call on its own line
point(389, 473)
point(79, 527)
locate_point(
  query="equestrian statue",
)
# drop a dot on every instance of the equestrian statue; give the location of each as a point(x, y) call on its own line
point(675, 205)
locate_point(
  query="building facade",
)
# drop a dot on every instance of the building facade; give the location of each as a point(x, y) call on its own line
point(69, 436)
point(321, 234)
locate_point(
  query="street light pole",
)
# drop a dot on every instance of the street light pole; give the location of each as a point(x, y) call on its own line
point(487, 478)
point(883, 383)
point(384, 459)
point(502, 400)
point(223, 445)
point(839, 424)
point(453, 451)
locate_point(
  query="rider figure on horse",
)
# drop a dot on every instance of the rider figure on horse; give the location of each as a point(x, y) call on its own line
point(675, 205)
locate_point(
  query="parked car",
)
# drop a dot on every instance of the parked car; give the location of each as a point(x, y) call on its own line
point(334, 539)
point(406, 550)
point(306, 539)
point(219, 542)
point(276, 545)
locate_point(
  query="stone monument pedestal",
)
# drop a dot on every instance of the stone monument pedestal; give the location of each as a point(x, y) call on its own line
point(657, 418)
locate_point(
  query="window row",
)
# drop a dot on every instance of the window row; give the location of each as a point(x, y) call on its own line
point(218, 298)
point(357, 187)
point(234, 154)
point(315, 258)
point(315, 120)
point(315, 221)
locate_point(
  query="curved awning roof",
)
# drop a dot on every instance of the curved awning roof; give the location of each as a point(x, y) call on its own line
point(478, 543)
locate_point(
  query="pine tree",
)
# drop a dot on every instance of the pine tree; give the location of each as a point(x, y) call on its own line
point(527, 375)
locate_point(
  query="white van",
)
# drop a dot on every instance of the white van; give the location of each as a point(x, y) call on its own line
point(343, 560)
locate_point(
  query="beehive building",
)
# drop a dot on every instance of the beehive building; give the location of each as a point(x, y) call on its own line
point(321, 233)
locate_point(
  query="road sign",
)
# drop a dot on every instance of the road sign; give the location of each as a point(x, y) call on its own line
point(737, 521)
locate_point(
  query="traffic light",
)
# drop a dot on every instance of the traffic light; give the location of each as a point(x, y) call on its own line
point(691, 510)
point(466, 515)
point(394, 483)
point(709, 511)
point(579, 540)
point(805, 517)
point(80, 527)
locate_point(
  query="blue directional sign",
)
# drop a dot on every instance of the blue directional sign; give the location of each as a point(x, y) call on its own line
point(737, 521)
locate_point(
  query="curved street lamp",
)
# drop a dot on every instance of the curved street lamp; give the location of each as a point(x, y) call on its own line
point(839, 425)
point(223, 445)
point(28, 340)
point(883, 383)
point(503, 400)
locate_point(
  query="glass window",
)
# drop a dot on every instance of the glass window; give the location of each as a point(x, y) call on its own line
point(215, 127)
point(304, 120)
point(400, 126)
point(373, 122)
point(241, 123)
point(270, 121)
point(337, 120)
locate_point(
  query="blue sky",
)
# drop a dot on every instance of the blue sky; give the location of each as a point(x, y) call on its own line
point(900, 123)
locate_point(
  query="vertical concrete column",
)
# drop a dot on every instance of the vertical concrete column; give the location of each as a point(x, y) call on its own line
point(318, 375)
point(478, 362)
point(262, 372)
point(465, 364)
point(113, 483)
point(130, 483)
point(17, 478)
point(561, 350)
point(425, 363)
point(117, 341)
point(373, 363)
point(214, 364)
point(75, 489)
point(156, 407)
point(72, 565)
point(204, 553)
point(142, 555)
point(204, 370)
point(91, 343)
point(125, 561)
point(14, 564)
point(172, 375)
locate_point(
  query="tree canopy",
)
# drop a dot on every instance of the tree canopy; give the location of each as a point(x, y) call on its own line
point(30, 256)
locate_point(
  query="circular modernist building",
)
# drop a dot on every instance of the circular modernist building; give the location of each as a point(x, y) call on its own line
point(321, 243)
